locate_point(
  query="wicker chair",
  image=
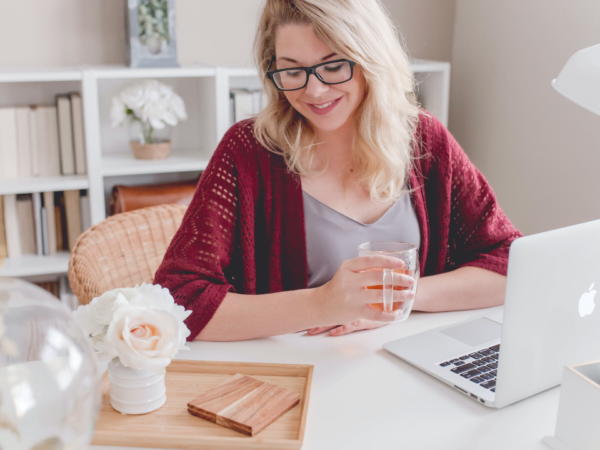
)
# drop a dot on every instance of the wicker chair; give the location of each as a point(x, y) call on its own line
point(124, 250)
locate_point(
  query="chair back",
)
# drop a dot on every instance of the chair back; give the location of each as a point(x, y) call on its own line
point(122, 251)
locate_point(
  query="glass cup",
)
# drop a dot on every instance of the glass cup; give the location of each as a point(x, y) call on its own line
point(410, 255)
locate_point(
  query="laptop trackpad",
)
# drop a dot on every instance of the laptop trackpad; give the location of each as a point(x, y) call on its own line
point(476, 332)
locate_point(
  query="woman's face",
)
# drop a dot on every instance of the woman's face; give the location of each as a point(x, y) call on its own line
point(298, 46)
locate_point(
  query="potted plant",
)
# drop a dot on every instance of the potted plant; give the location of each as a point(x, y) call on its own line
point(149, 108)
point(140, 330)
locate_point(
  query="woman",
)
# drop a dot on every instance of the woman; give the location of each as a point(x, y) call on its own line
point(341, 146)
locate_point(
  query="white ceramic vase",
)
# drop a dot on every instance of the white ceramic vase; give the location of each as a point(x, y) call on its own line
point(135, 391)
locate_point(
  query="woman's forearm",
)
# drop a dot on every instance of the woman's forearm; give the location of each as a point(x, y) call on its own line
point(241, 317)
point(464, 288)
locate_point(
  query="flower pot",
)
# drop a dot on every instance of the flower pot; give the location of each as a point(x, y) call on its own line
point(159, 150)
point(135, 391)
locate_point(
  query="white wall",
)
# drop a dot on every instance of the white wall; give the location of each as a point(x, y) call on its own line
point(219, 32)
point(540, 152)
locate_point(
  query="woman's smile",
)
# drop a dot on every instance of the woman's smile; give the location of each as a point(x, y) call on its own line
point(325, 107)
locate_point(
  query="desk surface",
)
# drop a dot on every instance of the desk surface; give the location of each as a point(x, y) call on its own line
point(393, 405)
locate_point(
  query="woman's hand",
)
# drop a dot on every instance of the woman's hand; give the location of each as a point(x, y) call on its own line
point(357, 325)
point(345, 298)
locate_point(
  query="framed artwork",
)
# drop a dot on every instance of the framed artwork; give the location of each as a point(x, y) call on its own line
point(151, 33)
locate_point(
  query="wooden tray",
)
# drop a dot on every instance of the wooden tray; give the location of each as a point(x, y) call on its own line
point(173, 427)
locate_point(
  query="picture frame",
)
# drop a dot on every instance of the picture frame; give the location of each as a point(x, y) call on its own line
point(151, 33)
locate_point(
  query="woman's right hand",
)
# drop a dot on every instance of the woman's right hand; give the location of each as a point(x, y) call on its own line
point(345, 298)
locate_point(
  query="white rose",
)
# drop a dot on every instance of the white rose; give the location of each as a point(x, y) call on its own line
point(144, 338)
point(155, 112)
point(153, 296)
point(134, 97)
point(96, 315)
point(118, 114)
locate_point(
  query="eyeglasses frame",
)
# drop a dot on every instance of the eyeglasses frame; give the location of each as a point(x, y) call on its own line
point(309, 71)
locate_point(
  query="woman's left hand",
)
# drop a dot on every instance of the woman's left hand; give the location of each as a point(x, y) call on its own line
point(339, 330)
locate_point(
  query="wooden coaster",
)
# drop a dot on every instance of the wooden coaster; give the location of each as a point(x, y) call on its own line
point(243, 404)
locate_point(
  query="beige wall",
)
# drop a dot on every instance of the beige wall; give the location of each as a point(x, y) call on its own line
point(540, 152)
point(220, 32)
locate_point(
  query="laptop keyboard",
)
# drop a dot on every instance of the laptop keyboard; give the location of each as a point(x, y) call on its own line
point(480, 367)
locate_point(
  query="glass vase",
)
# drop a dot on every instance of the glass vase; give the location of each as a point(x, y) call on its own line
point(49, 378)
point(144, 133)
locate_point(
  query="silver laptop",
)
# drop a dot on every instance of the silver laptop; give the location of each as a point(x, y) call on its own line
point(549, 321)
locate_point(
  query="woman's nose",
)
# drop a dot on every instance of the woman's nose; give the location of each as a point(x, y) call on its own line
point(314, 87)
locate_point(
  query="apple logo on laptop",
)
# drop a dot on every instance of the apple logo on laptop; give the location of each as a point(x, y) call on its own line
point(586, 302)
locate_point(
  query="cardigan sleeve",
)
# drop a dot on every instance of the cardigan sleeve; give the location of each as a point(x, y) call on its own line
point(196, 267)
point(479, 233)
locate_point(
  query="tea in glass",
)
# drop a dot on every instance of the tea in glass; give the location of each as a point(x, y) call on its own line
point(408, 253)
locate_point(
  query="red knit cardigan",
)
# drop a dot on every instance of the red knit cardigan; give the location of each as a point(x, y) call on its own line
point(244, 229)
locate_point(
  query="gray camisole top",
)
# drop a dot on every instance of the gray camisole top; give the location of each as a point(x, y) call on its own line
point(332, 237)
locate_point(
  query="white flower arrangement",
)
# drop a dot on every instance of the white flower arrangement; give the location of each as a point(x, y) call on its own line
point(151, 103)
point(142, 326)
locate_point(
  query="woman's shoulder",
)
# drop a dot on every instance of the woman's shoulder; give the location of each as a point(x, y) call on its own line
point(434, 145)
point(242, 156)
point(431, 136)
point(240, 142)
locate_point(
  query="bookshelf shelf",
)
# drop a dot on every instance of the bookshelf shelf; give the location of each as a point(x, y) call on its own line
point(43, 184)
point(44, 74)
point(116, 72)
point(32, 265)
point(182, 160)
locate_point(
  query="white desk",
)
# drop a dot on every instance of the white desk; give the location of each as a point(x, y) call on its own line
point(364, 398)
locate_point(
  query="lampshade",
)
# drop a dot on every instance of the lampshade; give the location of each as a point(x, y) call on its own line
point(579, 80)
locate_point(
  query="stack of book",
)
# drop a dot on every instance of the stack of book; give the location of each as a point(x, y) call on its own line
point(42, 223)
point(245, 103)
point(41, 140)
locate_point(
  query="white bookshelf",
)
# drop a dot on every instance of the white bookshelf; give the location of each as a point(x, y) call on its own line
point(180, 160)
point(205, 91)
point(33, 265)
point(43, 184)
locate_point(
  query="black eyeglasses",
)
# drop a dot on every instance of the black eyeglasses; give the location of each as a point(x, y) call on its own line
point(294, 78)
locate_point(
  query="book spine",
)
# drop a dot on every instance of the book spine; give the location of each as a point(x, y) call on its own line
point(8, 143)
point(86, 213)
point(61, 221)
point(41, 132)
point(78, 133)
point(45, 250)
point(73, 213)
point(34, 141)
point(53, 145)
point(37, 219)
point(243, 104)
point(50, 223)
point(23, 143)
point(13, 238)
point(3, 246)
point(26, 224)
point(65, 135)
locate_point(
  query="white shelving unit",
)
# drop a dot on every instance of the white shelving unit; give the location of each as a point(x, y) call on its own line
point(34, 265)
point(205, 91)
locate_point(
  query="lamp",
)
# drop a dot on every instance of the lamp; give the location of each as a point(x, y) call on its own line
point(579, 406)
point(579, 80)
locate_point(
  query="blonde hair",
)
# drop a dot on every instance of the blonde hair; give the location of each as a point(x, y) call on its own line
point(386, 120)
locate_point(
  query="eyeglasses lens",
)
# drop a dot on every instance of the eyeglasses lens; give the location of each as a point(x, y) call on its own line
point(291, 78)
